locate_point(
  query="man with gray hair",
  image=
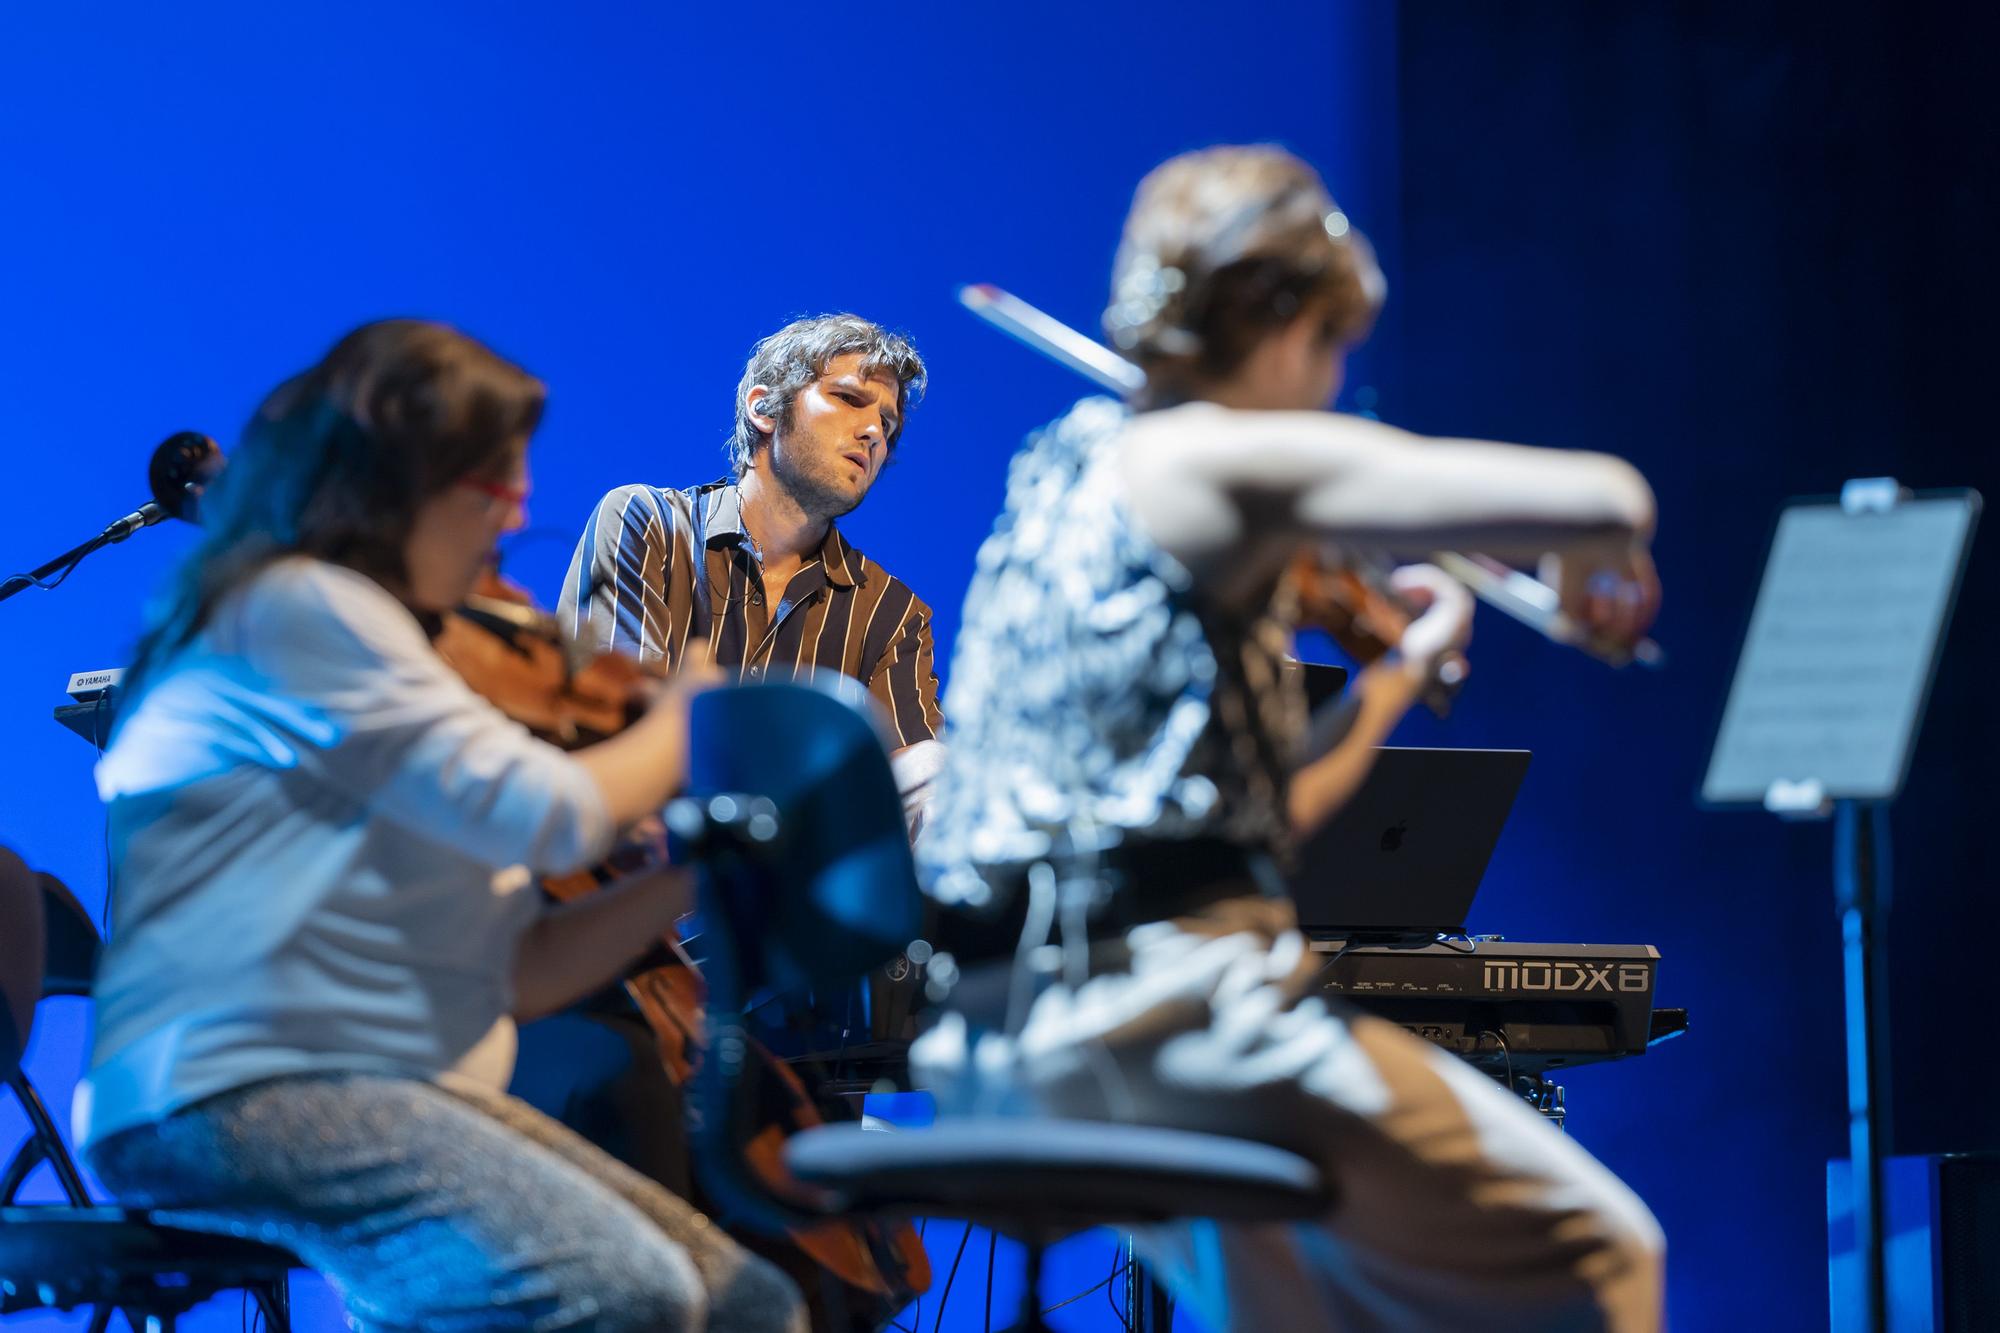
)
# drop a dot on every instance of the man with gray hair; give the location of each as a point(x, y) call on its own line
point(750, 574)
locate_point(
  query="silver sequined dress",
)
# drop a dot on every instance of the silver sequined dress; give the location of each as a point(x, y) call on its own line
point(1092, 690)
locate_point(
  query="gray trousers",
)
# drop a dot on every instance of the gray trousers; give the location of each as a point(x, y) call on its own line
point(1457, 1208)
point(436, 1210)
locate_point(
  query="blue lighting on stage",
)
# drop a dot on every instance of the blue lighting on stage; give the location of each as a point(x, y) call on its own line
point(1613, 229)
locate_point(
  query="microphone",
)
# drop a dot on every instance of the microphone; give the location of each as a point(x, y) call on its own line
point(181, 468)
point(180, 471)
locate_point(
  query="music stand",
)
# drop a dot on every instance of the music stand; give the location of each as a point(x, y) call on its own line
point(1822, 717)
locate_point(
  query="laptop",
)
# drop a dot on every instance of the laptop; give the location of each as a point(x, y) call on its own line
point(1322, 682)
point(1405, 856)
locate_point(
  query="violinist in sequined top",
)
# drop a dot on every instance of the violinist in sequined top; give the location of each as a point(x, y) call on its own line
point(1122, 737)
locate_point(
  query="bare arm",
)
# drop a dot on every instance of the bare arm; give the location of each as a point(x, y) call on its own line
point(1230, 493)
point(1322, 787)
point(1384, 693)
point(1203, 477)
point(639, 768)
point(577, 947)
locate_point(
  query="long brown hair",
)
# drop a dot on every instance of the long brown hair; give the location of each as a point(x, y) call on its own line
point(338, 460)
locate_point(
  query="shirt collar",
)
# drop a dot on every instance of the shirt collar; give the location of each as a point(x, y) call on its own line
point(721, 507)
point(722, 510)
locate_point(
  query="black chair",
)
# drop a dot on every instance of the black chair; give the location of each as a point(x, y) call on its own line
point(806, 879)
point(78, 1253)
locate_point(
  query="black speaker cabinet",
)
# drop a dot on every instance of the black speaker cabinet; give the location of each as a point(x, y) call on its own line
point(1943, 1216)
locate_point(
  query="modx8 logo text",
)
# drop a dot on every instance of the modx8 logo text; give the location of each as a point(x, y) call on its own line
point(1512, 974)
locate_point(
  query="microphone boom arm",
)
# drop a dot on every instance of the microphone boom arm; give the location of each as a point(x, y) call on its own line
point(145, 516)
point(181, 466)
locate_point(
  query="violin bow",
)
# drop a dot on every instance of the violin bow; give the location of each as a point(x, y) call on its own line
point(1517, 595)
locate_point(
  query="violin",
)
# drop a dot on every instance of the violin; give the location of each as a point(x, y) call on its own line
point(1509, 591)
point(1352, 604)
point(511, 653)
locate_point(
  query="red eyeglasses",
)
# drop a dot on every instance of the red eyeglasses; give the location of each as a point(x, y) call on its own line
point(513, 496)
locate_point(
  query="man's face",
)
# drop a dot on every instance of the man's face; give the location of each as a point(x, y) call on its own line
point(832, 447)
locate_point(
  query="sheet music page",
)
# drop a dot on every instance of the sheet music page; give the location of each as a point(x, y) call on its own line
point(1840, 648)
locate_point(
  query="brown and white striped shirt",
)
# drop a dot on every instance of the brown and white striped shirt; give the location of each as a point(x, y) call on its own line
point(636, 586)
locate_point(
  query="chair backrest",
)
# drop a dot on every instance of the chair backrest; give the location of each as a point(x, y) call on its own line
point(21, 947)
point(835, 893)
point(48, 946)
point(831, 895)
point(71, 945)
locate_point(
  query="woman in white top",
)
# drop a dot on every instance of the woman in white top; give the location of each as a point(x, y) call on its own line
point(325, 921)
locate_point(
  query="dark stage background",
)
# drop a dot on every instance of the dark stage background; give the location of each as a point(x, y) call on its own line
point(1747, 249)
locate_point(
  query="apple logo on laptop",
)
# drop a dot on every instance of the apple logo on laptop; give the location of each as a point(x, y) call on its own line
point(1392, 837)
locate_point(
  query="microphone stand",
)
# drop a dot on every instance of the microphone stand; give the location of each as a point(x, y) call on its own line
point(143, 517)
point(179, 470)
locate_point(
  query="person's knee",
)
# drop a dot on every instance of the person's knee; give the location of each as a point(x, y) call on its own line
point(751, 1296)
point(1628, 1272)
point(660, 1295)
point(756, 1298)
point(1633, 1228)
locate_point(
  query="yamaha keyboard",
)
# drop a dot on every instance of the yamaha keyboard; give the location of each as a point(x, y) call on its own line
point(1513, 1010)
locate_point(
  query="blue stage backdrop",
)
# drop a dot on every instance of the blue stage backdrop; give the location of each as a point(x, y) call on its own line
point(1690, 238)
point(623, 198)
